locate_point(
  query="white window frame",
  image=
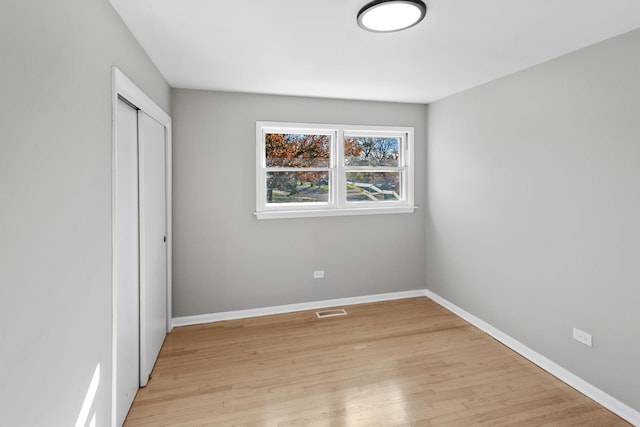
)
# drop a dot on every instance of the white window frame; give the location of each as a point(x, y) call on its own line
point(337, 205)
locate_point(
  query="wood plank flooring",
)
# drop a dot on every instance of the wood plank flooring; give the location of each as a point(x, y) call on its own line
point(396, 363)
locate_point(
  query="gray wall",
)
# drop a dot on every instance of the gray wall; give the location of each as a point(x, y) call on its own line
point(55, 196)
point(225, 259)
point(534, 209)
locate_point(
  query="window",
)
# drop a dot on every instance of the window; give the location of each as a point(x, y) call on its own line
point(307, 170)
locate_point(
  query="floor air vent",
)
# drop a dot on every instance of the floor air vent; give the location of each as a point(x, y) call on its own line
point(331, 313)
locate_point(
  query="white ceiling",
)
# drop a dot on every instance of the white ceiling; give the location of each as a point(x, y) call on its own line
point(315, 47)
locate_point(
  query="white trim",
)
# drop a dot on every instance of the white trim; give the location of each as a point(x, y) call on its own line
point(123, 86)
point(169, 220)
point(290, 308)
point(589, 390)
point(114, 294)
point(333, 212)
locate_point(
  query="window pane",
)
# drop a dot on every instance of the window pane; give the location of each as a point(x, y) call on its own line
point(297, 150)
point(297, 187)
point(362, 151)
point(373, 186)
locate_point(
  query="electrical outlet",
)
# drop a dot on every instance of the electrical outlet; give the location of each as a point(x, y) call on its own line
point(582, 337)
point(318, 274)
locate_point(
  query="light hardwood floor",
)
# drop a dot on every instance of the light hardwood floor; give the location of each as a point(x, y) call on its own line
point(395, 363)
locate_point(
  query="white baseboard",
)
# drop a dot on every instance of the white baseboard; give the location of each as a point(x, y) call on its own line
point(604, 399)
point(290, 308)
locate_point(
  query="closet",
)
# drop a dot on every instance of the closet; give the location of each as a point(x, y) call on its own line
point(141, 291)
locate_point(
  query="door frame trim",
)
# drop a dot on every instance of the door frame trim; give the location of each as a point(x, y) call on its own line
point(122, 86)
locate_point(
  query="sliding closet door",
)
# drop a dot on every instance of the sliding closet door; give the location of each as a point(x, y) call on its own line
point(126, 259)
point(153, 255)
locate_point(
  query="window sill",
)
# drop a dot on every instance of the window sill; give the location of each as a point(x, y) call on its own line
point(310, 213)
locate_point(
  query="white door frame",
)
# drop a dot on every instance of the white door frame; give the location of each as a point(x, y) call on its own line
point(124, 87)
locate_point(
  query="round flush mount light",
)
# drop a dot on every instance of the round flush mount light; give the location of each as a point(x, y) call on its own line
point(385, 16)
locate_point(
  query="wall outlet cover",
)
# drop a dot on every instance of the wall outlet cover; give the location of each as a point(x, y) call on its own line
point(583, 337)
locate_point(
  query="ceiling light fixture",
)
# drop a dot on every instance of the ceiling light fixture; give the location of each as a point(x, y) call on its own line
point(385, 16)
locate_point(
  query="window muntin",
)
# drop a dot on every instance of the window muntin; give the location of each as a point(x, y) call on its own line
point(319, 170)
